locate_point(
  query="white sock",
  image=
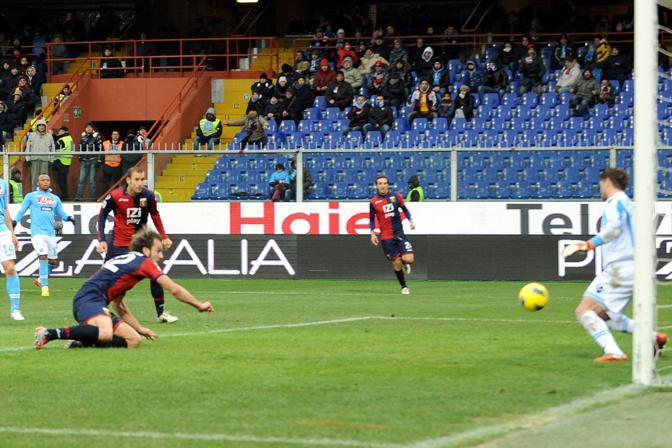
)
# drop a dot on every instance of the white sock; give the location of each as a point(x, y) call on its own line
point(620, 322)
point(599, 330)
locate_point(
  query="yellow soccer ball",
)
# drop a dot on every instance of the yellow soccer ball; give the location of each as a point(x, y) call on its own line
point(533, 296)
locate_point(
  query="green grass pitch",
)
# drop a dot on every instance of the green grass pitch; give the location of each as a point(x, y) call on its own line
point(305, 363)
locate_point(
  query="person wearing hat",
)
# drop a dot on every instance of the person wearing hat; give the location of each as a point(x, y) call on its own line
point(255, 127)
point(464, 104)
point(339, 93)
point(351, 74)
point(209, 131)
point(65, 147)
point(264, 87)
point(39, 141)
point(415, 191)
point(325, 76)
point(256, 103)
point(375, 81)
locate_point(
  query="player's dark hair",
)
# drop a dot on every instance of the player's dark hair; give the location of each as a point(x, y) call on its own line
point(617, 176)
point(382, 176)
point(144, 238)
point(134, 169)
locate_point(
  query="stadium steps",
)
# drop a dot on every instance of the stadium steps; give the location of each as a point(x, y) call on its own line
point(178, 181)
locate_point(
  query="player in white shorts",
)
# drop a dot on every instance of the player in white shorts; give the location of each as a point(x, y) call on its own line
point(8, 248)
point(604, 302)
point(44, 206)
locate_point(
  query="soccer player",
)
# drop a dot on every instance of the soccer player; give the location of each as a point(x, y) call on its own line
point(603, 305)
point(8, 247)
point(385, 207)
point(43, 206)
point(97, 325)
point(132, 205)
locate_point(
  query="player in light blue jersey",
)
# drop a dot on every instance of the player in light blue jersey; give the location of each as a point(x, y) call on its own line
point(604, 302)
point(9, 245)
point(44, 206)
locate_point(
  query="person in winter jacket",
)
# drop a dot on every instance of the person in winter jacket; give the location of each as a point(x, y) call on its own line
point(293, 109)
point(369, 60)
point(256, 103)
point(39, 140)
point(380, 117)
point(532, 68)
point(398, 53)
point(264, 87)
point(90, 149)
point(445, 107)
point(424, 66)
point(358, 115)
point(562, 52)
point(472, 77)
point(464, 104)
point(616, 67)
point(209, 131)
point(439, 78)
point(495, 81)
point(339, 93)
point(255, 128)
point(394, 91)
point(423, 101)
point(586, 90)
point(281, 87)
point(274, 108)
point(346, 51)
point(571, 73)
point(352, 75)
point(325, 76)
point(606, 95)
point(402, 72)
point(375, 81)
point(303, 92)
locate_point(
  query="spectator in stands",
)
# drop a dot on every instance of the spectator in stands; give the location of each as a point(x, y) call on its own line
point(402, 71)
point(288, 72)
point(339, 93)
point(209, 131)
point(112, 160)
point(532, 68)
point(415, 191)
point(303, 92)
point(279, 183)
point(440, 78)
point(394, 91)
point(380, 117)
point(143, 138)
point(586, 90)
point(375, 81)
point(256, 104)
point(300, 57)
point(472, 77)
point(606, 95)
point(131, 144)
point(110, 67)
point(255, 128)
point(323, 78)
point(369, 60)
point(464, 104)
point(307, 182)
point(293, 109)
point(603, 51)
point(616, 67)
point(571, 73)
point(352, 75)
point(423, 101)
point(274, 108)
point(303, 69)
point(423, 67)
point(17, 112)
point(15, 187)
point(24, 63)
point(358, 115)
point(65, 147)
point(416, 52)
point(281, 87)
point(380, 47)
point(344, 52)
point(29, 95)
point(264, 87)
point(314, 63)
point(398, 53)
point(318, 44)
point(561, 53)
point(495, 81)
point(90, 149)
point(12, 79)
point(39, 141)
point(507, 59)
point(590, 56)
point(445, 107)
point(34, 80)
point(521, 50)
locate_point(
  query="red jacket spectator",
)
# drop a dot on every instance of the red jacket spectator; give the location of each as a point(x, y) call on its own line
point(325, 76)
point(345, 52)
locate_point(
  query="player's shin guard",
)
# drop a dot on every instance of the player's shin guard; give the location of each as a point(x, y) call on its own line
point(599, 331)
point(401, 278)
point(620, 322)
point(84, 333)
point(13, 286)
point(157, 294)
point(44, 272)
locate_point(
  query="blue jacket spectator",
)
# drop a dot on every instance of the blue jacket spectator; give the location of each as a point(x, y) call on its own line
point(473, 77)
point(439, 79)
point(279, 183)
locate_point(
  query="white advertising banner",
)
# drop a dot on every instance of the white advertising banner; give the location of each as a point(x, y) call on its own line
point(352, 218)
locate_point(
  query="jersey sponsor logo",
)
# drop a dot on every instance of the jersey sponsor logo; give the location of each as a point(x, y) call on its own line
point(133, 215)
point(46, 200)
point(143, 202)
point(388, 209)
point(123, 199)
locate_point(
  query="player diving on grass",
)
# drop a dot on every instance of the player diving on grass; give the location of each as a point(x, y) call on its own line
point(132, 205)
point(603, 305)
point(44, 206)
point(98, 327)
point(385, 207)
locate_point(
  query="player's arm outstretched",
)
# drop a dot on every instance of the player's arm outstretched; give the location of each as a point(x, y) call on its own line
point(402, 205)
point(60, 212)
point(158, 222)
point(611, 230)
point(184, 296)
point(125, 314)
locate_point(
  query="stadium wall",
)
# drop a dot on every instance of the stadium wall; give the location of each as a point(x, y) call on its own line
point(459, 241)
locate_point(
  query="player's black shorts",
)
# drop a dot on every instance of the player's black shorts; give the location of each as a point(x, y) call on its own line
point(90, 303)
point(113, 251)
point(396, 247)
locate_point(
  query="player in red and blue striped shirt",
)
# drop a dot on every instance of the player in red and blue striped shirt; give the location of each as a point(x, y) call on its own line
point(97, 325)
point(386, 209)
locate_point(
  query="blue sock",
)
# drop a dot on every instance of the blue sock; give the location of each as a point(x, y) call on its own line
point(51, 268)
point(14, 291)
point(44, 272)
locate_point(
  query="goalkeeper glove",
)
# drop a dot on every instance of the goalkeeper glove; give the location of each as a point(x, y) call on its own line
point(571, 249)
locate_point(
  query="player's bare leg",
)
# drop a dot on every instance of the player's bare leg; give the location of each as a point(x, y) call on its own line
point(594, 319)
point(397, 265)
point(407, 260)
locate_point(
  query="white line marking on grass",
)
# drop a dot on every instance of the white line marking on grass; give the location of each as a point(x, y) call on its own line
point(477, 319)
point(534, 420)
point(241, 438)
point(15, 349)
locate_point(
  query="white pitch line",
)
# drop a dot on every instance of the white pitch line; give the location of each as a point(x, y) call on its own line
point(477, 319)
point(239, 438)
point(533, 420)
point(15, 349)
